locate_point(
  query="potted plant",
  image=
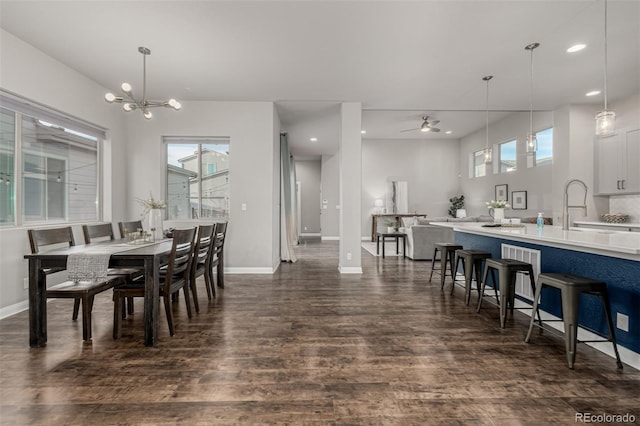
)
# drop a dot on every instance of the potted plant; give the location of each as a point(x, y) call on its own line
point(392, 225)
point(496, 209)
point(456, 204)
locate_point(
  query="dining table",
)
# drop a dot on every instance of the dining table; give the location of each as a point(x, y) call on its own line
point(148, 256)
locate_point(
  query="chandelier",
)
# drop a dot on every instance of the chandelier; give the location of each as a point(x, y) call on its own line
point(129, 102)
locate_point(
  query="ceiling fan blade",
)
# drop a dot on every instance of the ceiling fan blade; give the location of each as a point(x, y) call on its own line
point(434, 122)
point(410, 130)
point(435, 129)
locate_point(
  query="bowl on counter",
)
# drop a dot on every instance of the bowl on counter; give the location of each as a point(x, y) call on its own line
point(614, 217)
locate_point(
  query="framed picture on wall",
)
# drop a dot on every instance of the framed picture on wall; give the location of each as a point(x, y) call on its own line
point(502, 193)
point(519, 200)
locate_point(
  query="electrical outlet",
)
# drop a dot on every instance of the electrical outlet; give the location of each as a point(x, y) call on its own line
point(305, 228)
point(622, 321)
point(25, 283)
point(348, 256)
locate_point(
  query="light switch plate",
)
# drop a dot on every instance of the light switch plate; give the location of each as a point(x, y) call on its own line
point(622, 321)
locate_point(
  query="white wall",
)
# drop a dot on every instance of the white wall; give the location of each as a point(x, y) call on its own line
point(430, 168)
point(134, 159)
point(250, 242)
point(31, 74)
point(308, 174)
point(537, 181)
point(330, 191)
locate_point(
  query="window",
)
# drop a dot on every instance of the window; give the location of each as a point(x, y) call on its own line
point(508, 156)
point(56, 176)
point(197, 178)
point(544, 154)
point(479, 166)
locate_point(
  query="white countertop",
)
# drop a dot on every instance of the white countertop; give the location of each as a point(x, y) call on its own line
point(625, 245)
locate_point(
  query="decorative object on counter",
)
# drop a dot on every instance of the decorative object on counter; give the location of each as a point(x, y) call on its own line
point(519, 200)
point(154, 208)
point(605, 119)
point(379, 204)
point(615, 217)
point(456, 204)
point(496, 208)
point(502, 193)
point(540, 221)
point(129, 103)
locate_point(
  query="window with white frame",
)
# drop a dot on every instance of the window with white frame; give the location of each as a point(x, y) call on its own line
point(544, 153)
point(479, 166)
point(508, 157)
point(48, 166)
point(197, 178)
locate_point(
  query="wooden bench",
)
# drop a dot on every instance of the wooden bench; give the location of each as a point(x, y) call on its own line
point(85, 291)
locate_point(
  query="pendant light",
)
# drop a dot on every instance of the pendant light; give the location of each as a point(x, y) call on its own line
point(532, 142)
point(487, 150)
point(605, 120)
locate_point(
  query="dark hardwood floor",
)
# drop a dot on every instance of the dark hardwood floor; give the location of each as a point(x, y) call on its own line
point(308, 346)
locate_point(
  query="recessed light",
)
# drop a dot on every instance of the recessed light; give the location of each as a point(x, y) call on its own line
point(448, 132)
point(314, 139)
point(576, 48)
point(593, 93)
point(363, 132)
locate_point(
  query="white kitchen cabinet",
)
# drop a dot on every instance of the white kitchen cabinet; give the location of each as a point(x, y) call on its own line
point(618, 163)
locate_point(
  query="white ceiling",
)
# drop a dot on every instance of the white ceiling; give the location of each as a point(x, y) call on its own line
point(399, 59)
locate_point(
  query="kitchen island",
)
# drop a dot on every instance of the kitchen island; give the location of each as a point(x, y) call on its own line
point(610, 256)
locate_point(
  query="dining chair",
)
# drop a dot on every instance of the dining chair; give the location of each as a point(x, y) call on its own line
point(103, 232)
point(52, 238)
point(83, 291)
point(127, 227)
point(217, 255)
point(200, 266)
point(173, 277)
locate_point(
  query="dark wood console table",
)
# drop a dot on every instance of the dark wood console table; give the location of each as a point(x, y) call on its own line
point(396, 216)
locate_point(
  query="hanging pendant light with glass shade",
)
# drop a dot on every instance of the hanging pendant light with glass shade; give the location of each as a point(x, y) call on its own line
point(605, 120)
point(488, 155)
point(532, 142)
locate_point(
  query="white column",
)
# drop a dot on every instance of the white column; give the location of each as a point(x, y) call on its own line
point(350, 261)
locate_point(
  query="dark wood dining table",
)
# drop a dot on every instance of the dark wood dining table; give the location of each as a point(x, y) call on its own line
point(147, 257)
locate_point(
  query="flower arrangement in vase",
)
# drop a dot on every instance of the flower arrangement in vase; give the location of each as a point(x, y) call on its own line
point(496, 209)
point(154, 208)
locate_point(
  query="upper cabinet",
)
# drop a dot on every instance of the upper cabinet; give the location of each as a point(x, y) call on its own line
point(618, 163)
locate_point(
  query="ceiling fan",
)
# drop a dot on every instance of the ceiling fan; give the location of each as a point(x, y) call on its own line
point(427, 126)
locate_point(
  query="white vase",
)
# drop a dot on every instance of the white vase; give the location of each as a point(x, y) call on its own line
point(498, 215)
point(155, 224)
point(390, 229)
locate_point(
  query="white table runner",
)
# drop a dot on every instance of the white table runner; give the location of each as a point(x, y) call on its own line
point(93, 263)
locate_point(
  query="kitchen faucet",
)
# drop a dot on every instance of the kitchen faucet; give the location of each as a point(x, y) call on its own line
point(566, 206)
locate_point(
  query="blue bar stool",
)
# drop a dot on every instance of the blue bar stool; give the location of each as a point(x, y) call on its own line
point(571, 286)
point(472, 260)
point(507, 270)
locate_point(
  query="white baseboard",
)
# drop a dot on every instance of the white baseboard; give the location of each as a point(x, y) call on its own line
point(350, 269)
point(250, 270)
point(310, 234)
point(330, 238)
point(627, 356)
point(7, 311)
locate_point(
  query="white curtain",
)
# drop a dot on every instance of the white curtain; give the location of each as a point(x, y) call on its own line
point(288, 203)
